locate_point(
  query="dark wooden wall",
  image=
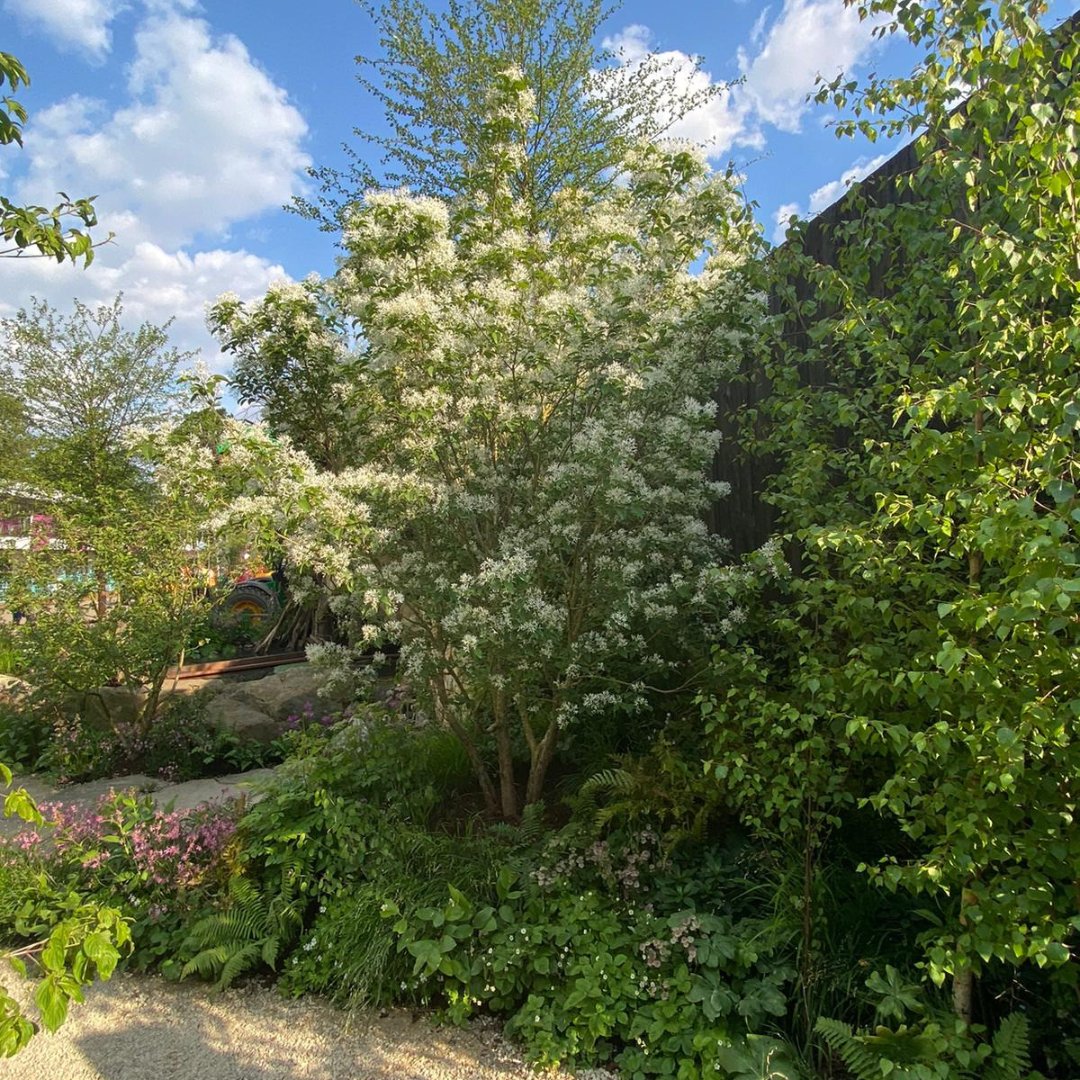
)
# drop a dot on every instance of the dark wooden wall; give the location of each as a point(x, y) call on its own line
point(744, 517)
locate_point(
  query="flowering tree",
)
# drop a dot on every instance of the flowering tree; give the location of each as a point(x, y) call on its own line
point(534, 472)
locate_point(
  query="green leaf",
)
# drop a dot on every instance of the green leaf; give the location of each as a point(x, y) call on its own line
point(52, 1003)
point(428, 956)
point(1057, 953)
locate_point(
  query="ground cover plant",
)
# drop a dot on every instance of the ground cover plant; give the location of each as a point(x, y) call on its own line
point(157, 869)
point(600, 951)
point(183, 743)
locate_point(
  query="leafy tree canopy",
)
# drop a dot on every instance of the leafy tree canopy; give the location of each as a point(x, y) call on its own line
point(81, 383)
point(433, 78)
point(930, 478)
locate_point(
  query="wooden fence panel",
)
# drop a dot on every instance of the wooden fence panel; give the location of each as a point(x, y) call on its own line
point(743, 516)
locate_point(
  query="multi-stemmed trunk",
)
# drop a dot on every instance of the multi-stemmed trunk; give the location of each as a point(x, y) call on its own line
point(500, 791)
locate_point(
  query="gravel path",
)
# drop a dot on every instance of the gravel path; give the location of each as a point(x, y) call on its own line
point(141, 1028)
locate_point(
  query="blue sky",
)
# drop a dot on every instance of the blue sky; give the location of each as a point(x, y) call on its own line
point(194, 123)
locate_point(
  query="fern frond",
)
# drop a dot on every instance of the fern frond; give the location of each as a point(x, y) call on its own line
point(251, 930)
point(860, 1061)
point(1011, 1050)
point(246, 898)
point(532, 826)
point(244, 957)
point(206, 963)
point(270, 949)
point(618, 781)
point(620, 786)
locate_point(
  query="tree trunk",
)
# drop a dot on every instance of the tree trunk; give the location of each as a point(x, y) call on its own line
point(504, 746)
point(541, 757)
point(150, 707)
point(963, 975)
point(809, 867)
point(962, 988)
point(445, 716)
point(101, 600)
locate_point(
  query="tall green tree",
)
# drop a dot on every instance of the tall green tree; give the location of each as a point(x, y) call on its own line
point(931, 479)
point(433, 76)
point(83, 383)
point(37, 230)
point(147, 547)
point(14, 435)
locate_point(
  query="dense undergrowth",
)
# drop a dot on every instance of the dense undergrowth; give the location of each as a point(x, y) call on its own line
point(680, 943)
point(182, 743)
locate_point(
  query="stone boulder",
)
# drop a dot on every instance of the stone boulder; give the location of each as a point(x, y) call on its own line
point(244, 720)
point(260, 709)
point(13, 692)
point(107, 707)
point(288, 692)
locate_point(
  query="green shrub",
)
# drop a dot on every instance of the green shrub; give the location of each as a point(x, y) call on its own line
point(342, 829)
point(586, 956)
point(24, 736)
point(181, 744)
point(932, 1051)
point(923, 418)
point(67, 938)
point(350, 951)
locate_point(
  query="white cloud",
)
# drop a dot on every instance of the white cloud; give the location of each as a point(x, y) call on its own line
point(824, 196)
point(203, 140)
point(631, 44)
point(158, 285)
point(810, 38)
point(206, 139)
point(82, 25)
point(757, 31)
point(828, 193)
point(717, 124)
point(781, 218)
point(778, 66)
